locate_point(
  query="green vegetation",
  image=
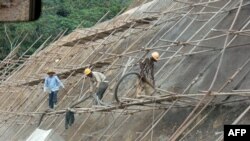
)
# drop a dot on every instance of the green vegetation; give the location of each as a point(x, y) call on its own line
point(57, 16)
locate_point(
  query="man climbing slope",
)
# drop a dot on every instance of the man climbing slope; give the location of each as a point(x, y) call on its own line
point(98, 83)
point(147, 73)
point(52, 84)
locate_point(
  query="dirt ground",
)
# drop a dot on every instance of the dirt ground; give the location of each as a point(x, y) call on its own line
point(14, 10)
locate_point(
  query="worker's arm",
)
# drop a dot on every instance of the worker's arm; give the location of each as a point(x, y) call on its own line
point(97, 84)
point(45, 85)
point(60, 82)
point(142, 67)
point(152, 73)
point(91, 85)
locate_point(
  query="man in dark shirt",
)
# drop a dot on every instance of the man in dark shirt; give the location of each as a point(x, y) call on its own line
point(147, 73)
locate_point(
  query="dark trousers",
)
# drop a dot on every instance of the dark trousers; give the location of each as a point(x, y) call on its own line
point(52, 99)
point(69, 119)
point(101, 90)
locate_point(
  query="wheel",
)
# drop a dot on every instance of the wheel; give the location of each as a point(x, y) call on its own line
point(128, 86)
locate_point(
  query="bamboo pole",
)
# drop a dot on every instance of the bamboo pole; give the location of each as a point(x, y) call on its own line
point(187, 121)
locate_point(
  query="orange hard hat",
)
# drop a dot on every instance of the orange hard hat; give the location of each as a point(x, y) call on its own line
point(155, 55)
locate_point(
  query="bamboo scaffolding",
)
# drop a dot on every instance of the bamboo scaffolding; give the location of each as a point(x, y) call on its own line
point(29, 118)
point(155, 123)
point(229, 79)
point(122, 106)
point(110, 125)
point(32, 58)
point(94, 38)
point(149, 126)
point(189, 120)
point(67, 93)
point(13, 52)
point(21, 128)
point(119, 37)
point(237, 120)
point(38, 80)
point(9, 109)
point(173, 55)
point(82, 124)
point(119, 127)
point(201, 120)
point(138, 40)
point(77, 69)
point(8, 69)
point(169, 73)
point(102, 34)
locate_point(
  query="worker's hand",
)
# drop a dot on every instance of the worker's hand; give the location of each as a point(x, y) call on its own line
point(44, 89)
point(91, 89)
point(64, 88)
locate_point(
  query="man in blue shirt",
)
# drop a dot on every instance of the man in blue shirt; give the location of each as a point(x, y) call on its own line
point(52, 84)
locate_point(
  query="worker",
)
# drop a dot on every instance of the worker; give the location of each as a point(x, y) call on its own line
point(52, 84)
point(147, 73)
point(98, 83)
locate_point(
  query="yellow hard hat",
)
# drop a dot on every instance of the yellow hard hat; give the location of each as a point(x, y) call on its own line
point(87, 71)
point(50, 71)
point(155, 55)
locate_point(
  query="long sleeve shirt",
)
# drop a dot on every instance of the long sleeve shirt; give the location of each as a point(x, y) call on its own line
point(96, 80)
point(52, 83)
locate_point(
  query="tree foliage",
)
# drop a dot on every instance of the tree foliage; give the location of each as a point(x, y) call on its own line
point(57, 16)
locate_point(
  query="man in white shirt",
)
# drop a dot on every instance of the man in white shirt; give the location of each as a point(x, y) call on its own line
point(98, 82)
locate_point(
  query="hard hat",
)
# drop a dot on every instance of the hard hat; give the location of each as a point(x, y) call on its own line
point(50, 71)
point(155, 55)
point(87, 71)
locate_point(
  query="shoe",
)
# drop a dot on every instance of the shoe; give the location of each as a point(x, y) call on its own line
point(55, 105)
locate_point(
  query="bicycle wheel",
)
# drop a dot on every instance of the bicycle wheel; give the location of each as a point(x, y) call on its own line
point(128, 86)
